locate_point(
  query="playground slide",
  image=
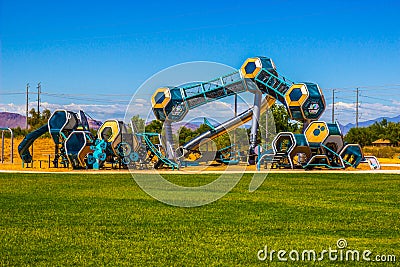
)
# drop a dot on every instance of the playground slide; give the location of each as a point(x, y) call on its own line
point(223, 128)
point(162, 160)
point(23, 148)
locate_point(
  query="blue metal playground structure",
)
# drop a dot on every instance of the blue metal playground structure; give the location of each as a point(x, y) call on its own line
point(320, 145)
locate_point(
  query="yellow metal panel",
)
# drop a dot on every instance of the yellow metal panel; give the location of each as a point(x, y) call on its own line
point(167, 95)
point(303, 98)
point(300, 101)
point(113, 124)
point(270, 101)
point(266, 105)
point(82, 154)
point(317, 132)
point(252, 75)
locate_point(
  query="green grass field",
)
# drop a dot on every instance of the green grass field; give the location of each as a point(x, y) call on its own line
point(65, 219)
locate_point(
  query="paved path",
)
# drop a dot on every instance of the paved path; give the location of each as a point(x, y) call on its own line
point(206, 172)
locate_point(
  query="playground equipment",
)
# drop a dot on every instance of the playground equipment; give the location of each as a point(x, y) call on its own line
point(225, 127)
point(60, 125)
point(75, 145)
point(304, 101)
point(229, 155)
point(11, 145)
point(320, 145)
point(373, 162)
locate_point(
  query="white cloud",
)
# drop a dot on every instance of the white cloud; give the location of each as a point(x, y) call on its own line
point(346, 112)
point(13, 108)
point(97, 111)
point(218, 110)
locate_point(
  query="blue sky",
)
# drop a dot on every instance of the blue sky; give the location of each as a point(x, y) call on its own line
point(92, 49)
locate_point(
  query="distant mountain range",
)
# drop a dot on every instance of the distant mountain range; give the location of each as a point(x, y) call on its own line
point(346, 128)
point(176, 126)
point(14, 120)
point(191, 125)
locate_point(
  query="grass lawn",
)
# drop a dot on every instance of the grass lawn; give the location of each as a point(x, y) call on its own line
point(68, 219)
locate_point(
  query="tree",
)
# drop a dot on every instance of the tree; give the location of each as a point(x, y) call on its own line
point(138, 123)
point(154, 126)
point(38, 119)
point(35, 121)
point(186, 134)
point(392, 132)
point(379, 130)
point(224, 140)
point(282, 120)
point(361, 136)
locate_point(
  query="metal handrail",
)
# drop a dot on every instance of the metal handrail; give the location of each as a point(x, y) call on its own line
point(2, 144)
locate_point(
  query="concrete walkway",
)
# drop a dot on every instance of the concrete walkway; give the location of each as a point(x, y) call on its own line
point(204, 172)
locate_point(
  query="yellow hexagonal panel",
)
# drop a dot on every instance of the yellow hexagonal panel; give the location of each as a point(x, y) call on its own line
point(251, 67)
point(113, 126)
point(317, 132)
point(161, 97)
point(296, 95)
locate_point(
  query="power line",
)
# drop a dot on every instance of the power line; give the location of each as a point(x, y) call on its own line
point(345, 98)
point(100, 95)
point(379, 110)
point(97, 100)
point(376, 98)
point(105, 95)
point(365, 87)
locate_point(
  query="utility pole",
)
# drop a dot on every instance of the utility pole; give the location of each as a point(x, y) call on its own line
point(39, 87)
point(266, 129)
point(333, 105)
point(357, 104)
point(27, 104)
point(234, 131)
